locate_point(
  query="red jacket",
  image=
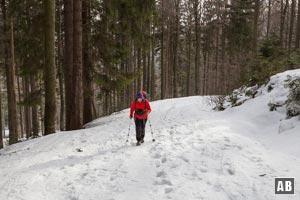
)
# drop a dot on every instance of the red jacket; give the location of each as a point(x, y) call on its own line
point(144, 106)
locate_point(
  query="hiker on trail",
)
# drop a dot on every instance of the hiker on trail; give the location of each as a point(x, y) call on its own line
point(140, 108)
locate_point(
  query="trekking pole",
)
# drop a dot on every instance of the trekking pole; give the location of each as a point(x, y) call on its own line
point(128, 131)
point(153, 140)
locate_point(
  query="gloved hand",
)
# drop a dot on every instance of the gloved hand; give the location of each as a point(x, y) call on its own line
point(130, 116)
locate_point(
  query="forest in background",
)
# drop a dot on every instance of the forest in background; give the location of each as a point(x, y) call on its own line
point(64, 63)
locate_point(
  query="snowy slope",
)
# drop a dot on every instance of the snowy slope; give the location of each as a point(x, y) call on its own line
point(198, 154)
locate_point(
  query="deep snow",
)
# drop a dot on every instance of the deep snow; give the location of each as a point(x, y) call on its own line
point(198, 154)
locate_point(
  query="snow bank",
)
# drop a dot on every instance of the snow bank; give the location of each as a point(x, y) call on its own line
point(273, 127)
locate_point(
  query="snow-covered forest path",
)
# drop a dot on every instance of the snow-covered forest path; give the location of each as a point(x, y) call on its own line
point(198, 154)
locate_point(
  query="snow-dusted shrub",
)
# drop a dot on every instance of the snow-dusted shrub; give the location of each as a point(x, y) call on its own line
point(233, 98)
point(270, 87)
point(274, 106)
point(251, 91)
point(239, 96)
point(217, 102)
point(293, 101)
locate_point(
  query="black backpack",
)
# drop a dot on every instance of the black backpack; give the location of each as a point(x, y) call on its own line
point(139, 111)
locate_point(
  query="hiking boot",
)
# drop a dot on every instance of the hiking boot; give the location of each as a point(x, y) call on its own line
point(142, 141)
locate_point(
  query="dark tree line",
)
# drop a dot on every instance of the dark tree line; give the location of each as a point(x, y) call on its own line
point(66, 62)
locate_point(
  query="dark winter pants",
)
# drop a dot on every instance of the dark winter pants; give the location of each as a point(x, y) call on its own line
point(140, 128)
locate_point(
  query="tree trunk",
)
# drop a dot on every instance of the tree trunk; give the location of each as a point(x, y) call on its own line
point(293, 7)
point(96, 114)
point(168, 65)
point(197, 74)
point(153, 77)
point(1, 120)
point(223, 72)
point(287, 22)
point(148, 53)
point(255, 26)
point(110, 102)
point(298, 28)
point(149, 77)
point(13, 79)
point(27, 109)
point(87, 64)
point(10, 76)
point(216, 85)
point(175, 47)
point(205, 73)
point(68, 55)
point(35, 119)
point(162, 67)
point(139, 68)
point(50, 74)
point(134, 61)
point(76, 120)
point(189, 48)
point(283, 10)
point(20, 107)
point(60, 73)
point(269, 17)
point(145, 75)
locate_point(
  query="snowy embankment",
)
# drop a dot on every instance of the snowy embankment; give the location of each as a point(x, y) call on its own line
point(198, 154)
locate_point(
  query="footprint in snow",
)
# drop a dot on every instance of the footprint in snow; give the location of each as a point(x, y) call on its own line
point(256, 159)
point(185, 159)
point(84, 175)
point(157, 164)
point(157, 156)
point(229, 168)
point(231, 171)
point(168, 190)
point(163, 182)
point(226, 147)
point(174, 166)
point(178, 143)
point(161, 174)
point(203, 169)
